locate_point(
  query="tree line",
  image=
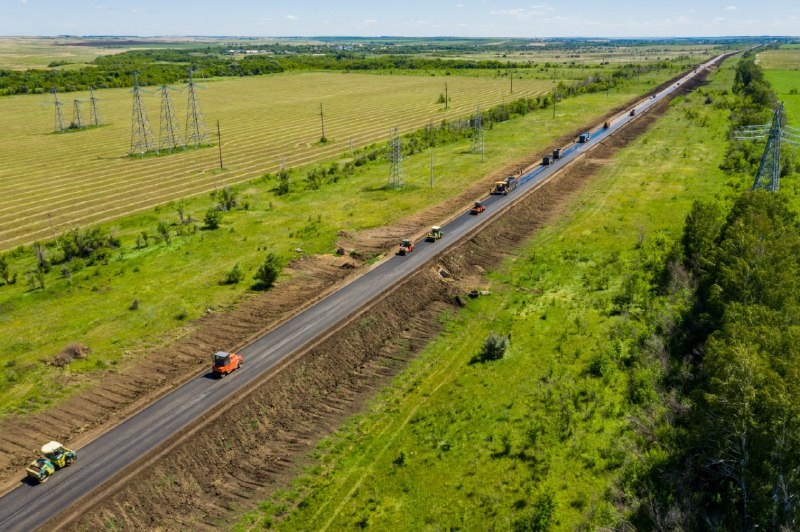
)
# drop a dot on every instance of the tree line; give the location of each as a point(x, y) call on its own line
point(724, 451)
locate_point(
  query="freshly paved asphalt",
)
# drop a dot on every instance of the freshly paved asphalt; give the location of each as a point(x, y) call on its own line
point(30, 506)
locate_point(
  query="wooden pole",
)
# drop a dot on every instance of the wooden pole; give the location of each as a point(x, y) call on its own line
point(219, 143)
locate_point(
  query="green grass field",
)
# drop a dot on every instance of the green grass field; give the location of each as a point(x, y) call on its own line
point(547, 430)
point(156, 276)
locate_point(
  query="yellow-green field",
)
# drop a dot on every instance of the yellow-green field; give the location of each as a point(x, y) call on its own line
point(780, 59)
point(782, 70)
point(86, 176)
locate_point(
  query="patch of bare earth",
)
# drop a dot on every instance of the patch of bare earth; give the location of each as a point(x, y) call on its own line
point(260, 438)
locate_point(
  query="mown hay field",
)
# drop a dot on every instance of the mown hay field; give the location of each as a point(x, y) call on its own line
point(84, 176)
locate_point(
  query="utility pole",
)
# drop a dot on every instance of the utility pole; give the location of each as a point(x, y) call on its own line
point(322, 123)
point(219, 143)
point(431, 167)
point(52, 230)
point(446, 98)
point(555, 97)
point(511, 75)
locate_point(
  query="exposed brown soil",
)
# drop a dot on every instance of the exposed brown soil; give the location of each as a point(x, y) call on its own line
point(260, 438)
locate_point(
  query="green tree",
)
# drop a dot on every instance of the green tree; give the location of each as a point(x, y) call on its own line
point(213, 218)
point(164, 231)
point(268, 272)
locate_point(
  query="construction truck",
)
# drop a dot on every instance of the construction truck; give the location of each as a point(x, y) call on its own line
point(606, 124)
point(478, 208)
point(406, 246)
point(504, 187)
point(546, 160)
point(56, 456)
point(584, 138)
point(557, 154)
point(434, 234)
point(225, 363)
point(633, 112)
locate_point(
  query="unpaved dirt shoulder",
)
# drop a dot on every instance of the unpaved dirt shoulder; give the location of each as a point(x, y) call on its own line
point(255, 445)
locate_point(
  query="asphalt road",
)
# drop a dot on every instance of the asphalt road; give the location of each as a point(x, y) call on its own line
point(30, 506)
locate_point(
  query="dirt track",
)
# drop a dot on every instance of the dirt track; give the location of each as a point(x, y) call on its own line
point(257, 444)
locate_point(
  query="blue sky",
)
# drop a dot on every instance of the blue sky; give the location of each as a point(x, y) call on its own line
point(469, 18)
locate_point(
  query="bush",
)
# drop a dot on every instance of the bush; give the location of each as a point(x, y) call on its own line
point(267, 273)
point(234, 275)
point(494, 347)
point(212, 218)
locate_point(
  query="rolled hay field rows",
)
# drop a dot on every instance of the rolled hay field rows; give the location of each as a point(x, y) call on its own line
point(82, 177)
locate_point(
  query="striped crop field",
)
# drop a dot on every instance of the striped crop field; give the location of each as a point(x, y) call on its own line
point(86, 176)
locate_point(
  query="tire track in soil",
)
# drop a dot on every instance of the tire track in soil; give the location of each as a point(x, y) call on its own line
point(270, 430)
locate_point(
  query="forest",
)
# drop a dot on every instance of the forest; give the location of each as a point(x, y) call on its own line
point(726, 453)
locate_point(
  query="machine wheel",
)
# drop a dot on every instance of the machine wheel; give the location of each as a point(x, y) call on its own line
point(42, 481)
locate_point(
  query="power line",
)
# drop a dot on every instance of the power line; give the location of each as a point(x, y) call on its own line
point(196, 134)
point(396, 157)
point(169, 136)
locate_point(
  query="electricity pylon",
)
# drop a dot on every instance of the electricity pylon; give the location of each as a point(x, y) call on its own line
point(142, 140)
point(477, 134)
point(396, 158)
point(196, 134)
point(169, 135)
point(94, 114)
point(769, 169)
point(77, 117)
point(59, 116)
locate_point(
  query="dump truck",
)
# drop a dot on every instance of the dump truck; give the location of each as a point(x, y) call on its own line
point(56, 456)
point(406, 246)
point(633, 112)
point(504, 187)
point(584, 137)
point(557, 154)
point(606, 124)
point(224, 363)
point(478, 208)
point(546, 160)
point(434, 234)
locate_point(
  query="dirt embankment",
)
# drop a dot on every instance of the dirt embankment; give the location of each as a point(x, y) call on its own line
point(307, 399)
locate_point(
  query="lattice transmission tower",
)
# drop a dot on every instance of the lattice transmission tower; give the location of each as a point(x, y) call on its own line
point(396, 161)
point(59, 113)
point(769, 170)
point(94, 112)
point(477, 133)
point(77, 117)
point(169, 136)
point(196, 134)
point(142, 140)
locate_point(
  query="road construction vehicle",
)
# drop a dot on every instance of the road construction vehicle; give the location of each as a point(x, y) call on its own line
point(56, 456)
point(633, 112)
point(434, 234)
point(547, 160)
point(478, 208)
point(557, 154)
point(504, 187)
point(40, 470)
point(607, 124)
point(225, 363)
point(584, 137)
point(406, 246)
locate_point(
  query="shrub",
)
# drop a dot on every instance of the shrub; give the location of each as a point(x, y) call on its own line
point(494, 347)
point(212, 218)
point(234, 275)
point(267, 273)
point(163, 230)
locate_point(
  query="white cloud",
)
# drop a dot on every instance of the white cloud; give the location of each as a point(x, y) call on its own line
point(730, 8)
point(23, 2)
point(523, 13)
point(292, 17)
